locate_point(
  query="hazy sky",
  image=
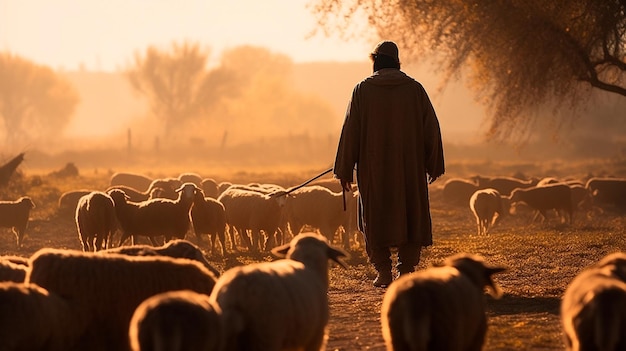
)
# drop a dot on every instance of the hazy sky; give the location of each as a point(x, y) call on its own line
point(103, 35)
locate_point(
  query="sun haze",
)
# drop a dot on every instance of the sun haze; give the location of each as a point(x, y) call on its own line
point(102, 36)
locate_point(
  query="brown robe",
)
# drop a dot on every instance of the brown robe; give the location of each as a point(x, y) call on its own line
point(391, 133)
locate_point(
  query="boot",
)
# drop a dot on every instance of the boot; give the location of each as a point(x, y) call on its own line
point(383, 279)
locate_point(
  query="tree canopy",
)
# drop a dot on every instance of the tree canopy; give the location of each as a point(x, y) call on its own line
point(177, 83)
point(520, 56)
point(35, 103)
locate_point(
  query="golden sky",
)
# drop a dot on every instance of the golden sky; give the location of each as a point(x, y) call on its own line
point(103, 35)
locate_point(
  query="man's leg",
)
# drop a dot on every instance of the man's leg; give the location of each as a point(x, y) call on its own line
point(408, 257)
point(380, 258)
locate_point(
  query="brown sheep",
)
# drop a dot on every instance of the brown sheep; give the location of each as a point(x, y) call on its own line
point(15, 215)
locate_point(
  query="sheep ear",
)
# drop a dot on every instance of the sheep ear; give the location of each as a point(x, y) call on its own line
point(495, 290)
point(281, 251)
point(336, 255)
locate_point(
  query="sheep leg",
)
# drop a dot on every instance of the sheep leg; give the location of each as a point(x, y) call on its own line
point(153, 241)
point(222, 238)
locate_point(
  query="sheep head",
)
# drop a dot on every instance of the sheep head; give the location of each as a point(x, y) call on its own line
point(615, 264)
point(311, 248)
point(475, 268)
point(27, 201)
point(188, 191)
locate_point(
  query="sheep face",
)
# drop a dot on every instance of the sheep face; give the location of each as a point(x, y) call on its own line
point(27, 201)
point(187, 191)
point(308, 247)
point(476, 270)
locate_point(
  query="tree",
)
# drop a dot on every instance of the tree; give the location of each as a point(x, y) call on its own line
point(518, 54)
point(177, 83)
point(34, 101)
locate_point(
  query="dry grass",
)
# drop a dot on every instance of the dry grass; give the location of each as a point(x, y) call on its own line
point(541, 259)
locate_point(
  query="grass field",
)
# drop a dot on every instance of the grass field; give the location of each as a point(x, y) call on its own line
point(541, 258)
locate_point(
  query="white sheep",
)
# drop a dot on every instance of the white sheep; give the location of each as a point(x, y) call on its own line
point(548, 197)
point(488, 207)
point(318, 207)
point(254, 211)
point(593, 307)
point(439, 308)
point(105, 289)
point(135, 181)
point(15, 215)
point(279, 305)
point(31, 318)
point(176, 320)
point(95, 220)
point(155, 217)
point(208, 216)
point(176, 248)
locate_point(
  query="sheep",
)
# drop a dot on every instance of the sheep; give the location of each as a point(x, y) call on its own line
point(593, 307)
point(608, 193)
point(31, 318)
point(457, 191)
point(95, 220)
point(135, 181)
point(14, 215)
point(176, 248)
point(279, 305)
point(158, 189)
point(69, 200)
point(505, 185)
point(439, 308)
point(190, 177)
point(11, 272)
point(322, 209)
point(544, 198)
point(104, 290)
point(208, 216)
point(210, 188)
point(155, 217)
point(176, 320)
point(488, 207)
point(254, 211)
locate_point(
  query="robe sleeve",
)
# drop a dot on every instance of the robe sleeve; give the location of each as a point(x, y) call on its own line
point(435, 165)
point(348, 149)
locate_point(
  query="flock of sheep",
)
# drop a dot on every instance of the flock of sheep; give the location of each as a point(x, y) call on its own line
point(167, 296)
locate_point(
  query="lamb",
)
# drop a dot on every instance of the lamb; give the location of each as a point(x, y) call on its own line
point(548, 197)
point(439, 308)
point(31, 318)
point(104, 290)
point(289, 308)
point(176, 248)
point(322, 209)
point(254, 211)
point(14, 215)
point(488, 207)
point(593, 307)
point(155, 217)
point(135, 181)
point(458, 191)
point(176, 320)
point(95, 220)
point(208, 216)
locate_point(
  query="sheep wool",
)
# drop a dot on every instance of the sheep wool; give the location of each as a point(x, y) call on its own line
point(95, 220)
point(279, 305)
point(439, 308)
point(106, 289)
point(176, 320)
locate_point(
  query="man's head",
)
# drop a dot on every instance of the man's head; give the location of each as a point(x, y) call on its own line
point(385, 55)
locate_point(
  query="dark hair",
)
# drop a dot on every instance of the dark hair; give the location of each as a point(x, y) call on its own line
point(384, 61)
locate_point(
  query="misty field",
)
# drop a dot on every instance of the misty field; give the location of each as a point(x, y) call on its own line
point(541, 258)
